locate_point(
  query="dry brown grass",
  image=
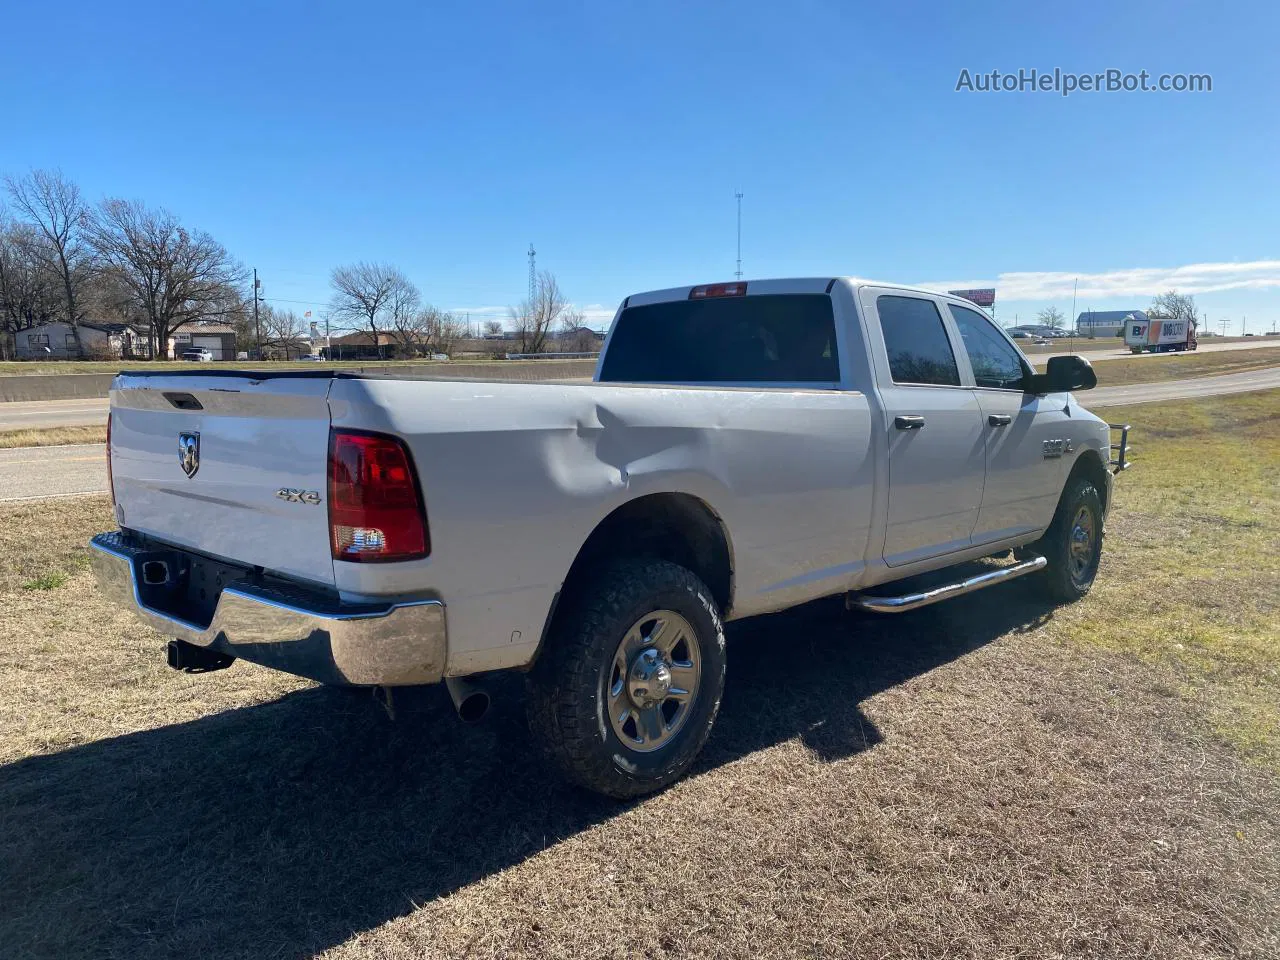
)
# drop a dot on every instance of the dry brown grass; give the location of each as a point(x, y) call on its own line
point(979, 779)
point(52, 436)
point(47, 538)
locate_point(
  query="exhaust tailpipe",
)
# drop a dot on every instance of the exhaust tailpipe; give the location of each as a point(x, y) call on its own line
point(469, 699)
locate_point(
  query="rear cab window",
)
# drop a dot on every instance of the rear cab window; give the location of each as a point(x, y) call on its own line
point(761, 338)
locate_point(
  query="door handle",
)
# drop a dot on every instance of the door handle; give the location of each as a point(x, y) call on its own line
point(908, 423)
point(999, 420)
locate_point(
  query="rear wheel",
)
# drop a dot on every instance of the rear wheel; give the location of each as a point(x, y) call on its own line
point(1073, 542)
point(624, 697)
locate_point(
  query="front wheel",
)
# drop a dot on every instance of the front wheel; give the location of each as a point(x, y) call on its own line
point(1073, 542)
point(624, 697)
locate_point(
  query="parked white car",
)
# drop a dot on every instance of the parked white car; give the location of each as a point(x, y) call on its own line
point(744, 447)
point(198, 355)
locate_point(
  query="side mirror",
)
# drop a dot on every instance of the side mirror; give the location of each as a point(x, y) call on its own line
point(1063, 374)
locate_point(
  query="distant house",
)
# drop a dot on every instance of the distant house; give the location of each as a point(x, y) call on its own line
point(361, 346)
point(104, 341)
point(1106, 323)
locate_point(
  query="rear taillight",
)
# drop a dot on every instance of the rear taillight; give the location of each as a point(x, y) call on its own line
point(375, 507)
point(111, 480)
point(708, 290)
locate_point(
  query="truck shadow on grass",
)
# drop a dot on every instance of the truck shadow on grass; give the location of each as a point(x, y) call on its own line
point(285, 828)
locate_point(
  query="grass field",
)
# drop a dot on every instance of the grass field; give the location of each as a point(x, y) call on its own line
point(52, 436)
point(991, 777)
point(1179, 366)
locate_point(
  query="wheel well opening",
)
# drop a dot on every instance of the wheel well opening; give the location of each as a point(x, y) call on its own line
point(668, 526)
point(1090, 466)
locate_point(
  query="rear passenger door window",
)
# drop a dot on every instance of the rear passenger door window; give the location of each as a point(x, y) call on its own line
point(916, 341)
point(996, 364)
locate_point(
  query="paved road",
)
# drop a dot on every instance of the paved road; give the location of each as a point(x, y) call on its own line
point(1110, 352)
point(30, 473)
point(40, 414)
point(36, 472)
point(1183, 389)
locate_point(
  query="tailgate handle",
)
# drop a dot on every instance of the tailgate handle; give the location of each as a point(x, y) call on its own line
point(184, 401)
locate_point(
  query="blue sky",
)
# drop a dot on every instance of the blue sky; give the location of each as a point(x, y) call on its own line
point(445, 137)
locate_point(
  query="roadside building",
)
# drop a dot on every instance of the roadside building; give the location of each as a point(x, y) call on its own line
point(361, 346)
point(1106, 323)
point(218, 338)
point(98, 341)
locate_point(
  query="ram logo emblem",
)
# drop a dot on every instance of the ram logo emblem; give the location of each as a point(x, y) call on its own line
point(189, 453)
point(1056, 448)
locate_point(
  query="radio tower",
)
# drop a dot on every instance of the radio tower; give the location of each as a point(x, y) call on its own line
point(738, 195)
point(533, 273)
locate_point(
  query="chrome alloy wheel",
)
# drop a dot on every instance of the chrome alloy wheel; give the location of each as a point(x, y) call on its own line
point(653, 682)
point(1082, 544)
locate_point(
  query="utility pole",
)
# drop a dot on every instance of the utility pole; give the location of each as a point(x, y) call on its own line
point(1242, 319)
point(738, 195)
point(1074, 284)
point(256, 325)
point(1224, 321)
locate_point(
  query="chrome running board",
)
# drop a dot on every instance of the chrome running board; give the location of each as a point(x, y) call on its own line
point(913, 601)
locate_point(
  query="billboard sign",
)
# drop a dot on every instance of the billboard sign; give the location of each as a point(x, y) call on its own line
point(985, 297)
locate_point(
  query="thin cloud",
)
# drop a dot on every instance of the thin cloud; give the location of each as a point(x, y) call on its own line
point(1137, 282)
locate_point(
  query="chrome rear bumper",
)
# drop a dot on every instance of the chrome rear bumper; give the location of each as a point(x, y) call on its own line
point(391, 644)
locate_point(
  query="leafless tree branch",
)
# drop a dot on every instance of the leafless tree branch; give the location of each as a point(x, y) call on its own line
point(175, 276)
point(53, 206)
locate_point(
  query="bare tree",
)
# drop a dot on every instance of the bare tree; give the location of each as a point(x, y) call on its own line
point(1173, 306)
point(534, 320)
point(429, 330)
point(29, 292)
point(109, 297)
point(444, 331)
point(283, 331)
point(372, 297)
point(175, 276)
point(411, 332)
point(493, 328)
point(575, 337)
point(1051, 317)
point(54, 207)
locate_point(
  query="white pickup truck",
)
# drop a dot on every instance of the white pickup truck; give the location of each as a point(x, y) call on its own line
point(744, 447)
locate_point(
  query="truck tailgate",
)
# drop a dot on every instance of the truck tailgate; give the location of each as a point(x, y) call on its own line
point(232, 465)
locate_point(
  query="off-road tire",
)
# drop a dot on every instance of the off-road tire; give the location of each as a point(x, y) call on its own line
point(1058, 579)
point(566, 689)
